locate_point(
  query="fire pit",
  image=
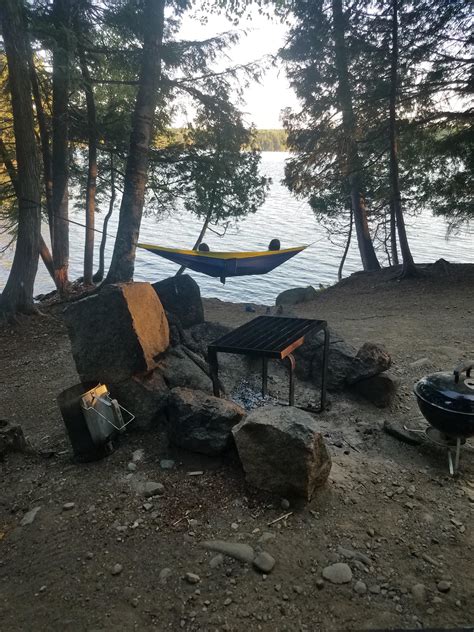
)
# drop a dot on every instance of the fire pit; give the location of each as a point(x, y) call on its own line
point(446, 401)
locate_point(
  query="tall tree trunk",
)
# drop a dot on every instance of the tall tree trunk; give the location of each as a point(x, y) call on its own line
point(17, 295)
point(409, 267)
point(60, 157)
point(13, 175)
point(353, 163)
point(393, 235)
point(92, 169)
point(136, 173)
point(346, 249)
point(44, 138)
point(99, 275)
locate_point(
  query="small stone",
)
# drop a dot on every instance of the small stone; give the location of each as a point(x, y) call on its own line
point(132, 467)
point(192, 578)
point(228, 601)
point(196, 473)
point(237, 550)
point(319, 584)
point(216, 561)
point(375, 589)
point(234, 526)
point(360, 588)
point(138, 455)
point(89, 555)
point(339, 573)
point(29, 516)
point(264, 562)
point(285, 504)
point(153, 489)
point(419, 593)
point(167, 464)
point(68, 506)
point(165, 573)
point(134, 602)
point(298, 590)
point(266, 536)
point(444, 586)
point(371, 532)
point(147, 506)
point(117, 569)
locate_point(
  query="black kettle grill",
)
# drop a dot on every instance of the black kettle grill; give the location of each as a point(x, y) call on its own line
point(446, 401)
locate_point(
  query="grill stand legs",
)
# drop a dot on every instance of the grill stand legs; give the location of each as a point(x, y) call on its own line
point(453, 468)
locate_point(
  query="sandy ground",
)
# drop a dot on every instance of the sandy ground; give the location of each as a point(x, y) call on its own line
point(393, 503)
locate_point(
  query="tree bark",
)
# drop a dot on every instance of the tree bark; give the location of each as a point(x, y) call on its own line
point(353, 163)
point(44, 138)
point(409, 267)
point(92, 169)
point(17, 295)
point(60, 158)
point(13, 175)
point(393, 235)
point(99, 275)
point(131, 208)
point(346, 249)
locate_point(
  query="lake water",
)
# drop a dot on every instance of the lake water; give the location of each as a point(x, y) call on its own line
point(282, 216)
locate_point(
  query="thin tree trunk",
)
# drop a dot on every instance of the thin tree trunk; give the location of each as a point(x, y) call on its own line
point(17, 295)
point(45, 141)
point(13, 175)
point(198, 240)
point(346, 249)
point(136, 173)
point(353, 164)
point(99, 275)
point(60, 158)
point(393, 235)
point(92, 169)
point(409, 267)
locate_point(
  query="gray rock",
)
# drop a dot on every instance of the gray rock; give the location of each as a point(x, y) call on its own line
point(164, 575)
point(200, 422)
point(380, 390)
point(375, 589)
point(132, 467)
point(145, 395)
point(178, 370)
point(236, 550)
point(216, 561)
point(117, 333)
point(444, 586)
point(360, 587)
point(29, 517)
point(419, 593)
point(198, 337)
point(418, 364)
point(296, 295)
point(151, 488)
point(282, 452)
point(116, 570)
point(371, 359)
point(68, 506)
point(319, 584)
point(264, 562)
point(267, 536)
point(181, 298)
point(167, 464)
point(339, 573)
point(12, 438)
point(192, 578)
point(285, 504)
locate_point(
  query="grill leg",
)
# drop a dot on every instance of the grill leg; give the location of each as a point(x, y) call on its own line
point(324, 376)
point(264, 376)
point(214, 369)
point(292, 363)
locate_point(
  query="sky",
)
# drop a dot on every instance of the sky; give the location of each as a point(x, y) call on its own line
point(261, 36)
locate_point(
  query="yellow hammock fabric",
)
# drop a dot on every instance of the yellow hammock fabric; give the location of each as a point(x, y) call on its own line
point(225, 264)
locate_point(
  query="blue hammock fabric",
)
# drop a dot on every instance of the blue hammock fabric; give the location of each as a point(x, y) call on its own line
point(226, 264)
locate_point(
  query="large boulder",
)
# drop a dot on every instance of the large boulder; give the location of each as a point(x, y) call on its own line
point(12, 438)
point(200, 422)
point(371, 359)
point(181, 298)
point(296, 295)
point(282, 452)
point(145, 396)
point(178, 369)
point(309, 359)
point(118, 332)
point(198, 337)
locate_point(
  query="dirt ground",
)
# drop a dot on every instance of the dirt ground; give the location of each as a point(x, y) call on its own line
point(395, 504)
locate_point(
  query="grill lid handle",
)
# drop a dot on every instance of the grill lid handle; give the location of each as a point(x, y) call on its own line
point(465, 366)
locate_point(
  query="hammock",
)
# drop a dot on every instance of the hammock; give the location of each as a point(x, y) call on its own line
point(225, 264)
